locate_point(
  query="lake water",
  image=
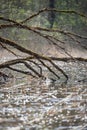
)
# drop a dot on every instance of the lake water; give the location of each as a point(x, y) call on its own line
point(35, 104)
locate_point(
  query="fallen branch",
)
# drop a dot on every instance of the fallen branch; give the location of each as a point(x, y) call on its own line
point(49, 69)
point(21, 71)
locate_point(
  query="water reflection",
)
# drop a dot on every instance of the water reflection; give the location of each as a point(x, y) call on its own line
point(35, 104)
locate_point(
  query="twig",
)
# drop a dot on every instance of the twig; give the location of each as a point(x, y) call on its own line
point(9, 50)
point(49, 69)
point(58, 68)
point(55, 10)
point(36, 65)
point(32, 69)
point(21, 71)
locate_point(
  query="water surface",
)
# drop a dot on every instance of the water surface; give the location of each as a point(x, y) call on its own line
point(35, 104)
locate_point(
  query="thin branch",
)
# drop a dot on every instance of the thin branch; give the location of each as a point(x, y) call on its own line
point(68, 59)
point(8, 20)
point(22, 49)
point(37, 65)
point(8, 50)
point(55, 10)
point(41, 29)
point(15, 61)
point(34, 15)
point(60, 31)
point(59, 69)
point(21, 71)
point(76, 40)
point(54, 43)
point(49, 69)
point(32, 69)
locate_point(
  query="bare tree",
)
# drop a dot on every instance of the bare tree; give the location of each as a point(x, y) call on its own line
point(33, 59)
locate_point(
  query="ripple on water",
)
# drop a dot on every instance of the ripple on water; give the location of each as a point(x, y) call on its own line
point(35, 105)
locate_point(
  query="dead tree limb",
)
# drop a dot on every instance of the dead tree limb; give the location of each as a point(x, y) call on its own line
point(59, 69)
point(21, 71)
point(32, 69)
point(64, 59)
point(37, 65)
point(49, 69)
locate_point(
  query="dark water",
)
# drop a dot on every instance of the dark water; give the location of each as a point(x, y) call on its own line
point(35, 104)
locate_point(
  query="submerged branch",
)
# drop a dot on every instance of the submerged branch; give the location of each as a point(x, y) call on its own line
point(21, 71)
point(59, 69)
point(32, 69)
point(37, 65)
point(49, 69)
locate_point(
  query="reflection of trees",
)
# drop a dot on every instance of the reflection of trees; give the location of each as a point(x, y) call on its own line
point(51, 17)
point(32, 57)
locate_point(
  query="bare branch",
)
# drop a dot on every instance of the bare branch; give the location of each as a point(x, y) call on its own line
point(60, 31)
point(55, 10)
point(42, 29)
point(49, 69)
point(32, 69)
point(37, 65)
point(59, 69)
point(13, 62)
point(8, 50)
point(21, 71)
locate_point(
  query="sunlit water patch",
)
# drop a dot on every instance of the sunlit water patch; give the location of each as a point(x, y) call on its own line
point(36, 104)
